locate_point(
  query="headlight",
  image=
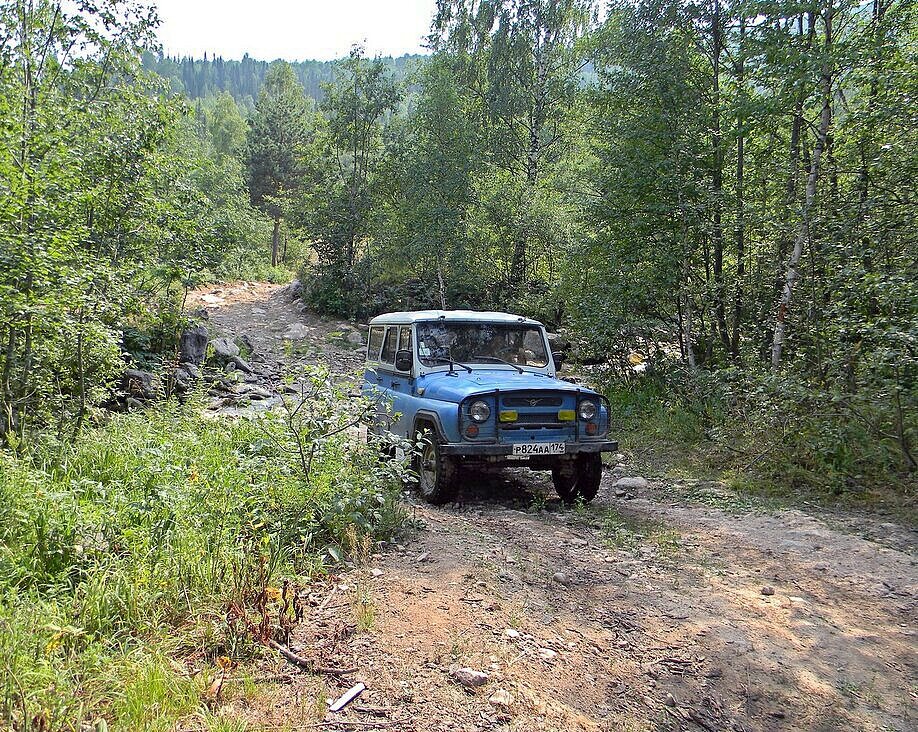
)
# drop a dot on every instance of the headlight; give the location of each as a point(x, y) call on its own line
point(479, 411)
point(587, 410)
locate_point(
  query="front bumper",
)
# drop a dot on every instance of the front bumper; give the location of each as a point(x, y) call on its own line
point(573, 448)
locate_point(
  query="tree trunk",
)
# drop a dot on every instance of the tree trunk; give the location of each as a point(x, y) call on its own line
point(275, 241)
point(740, 233)
point(717, 185)
point(803, 226)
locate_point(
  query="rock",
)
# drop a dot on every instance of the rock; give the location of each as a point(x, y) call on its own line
point(558, 342)
point(224, 350)
point(547, 654)
point(511, 633)
point(422, 556)
point(561, 579)
point(252, 391)
point(230, 367)
point(376, 572)
point(355, 338)
point(768, 590)
point(501, 698)
point(296, 332)
point(621, 493)
point(259, 311)
point(669, 700)
point(469, 677)
point(241, 364)
point(193, 345)
point(191, 369)
point(211, 299)
point(635, 483)
point(141, 385)
point(294, 290)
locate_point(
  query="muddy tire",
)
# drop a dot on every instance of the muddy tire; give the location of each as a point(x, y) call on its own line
point(436, 471)
point(578, 478)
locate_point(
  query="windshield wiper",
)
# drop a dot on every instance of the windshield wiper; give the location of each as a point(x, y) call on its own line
point(499, 360)
point(451, 363)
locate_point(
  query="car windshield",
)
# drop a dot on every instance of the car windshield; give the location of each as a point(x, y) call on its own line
point(482, 343)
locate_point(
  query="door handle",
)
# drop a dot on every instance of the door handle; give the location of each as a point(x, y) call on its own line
point(396, 384)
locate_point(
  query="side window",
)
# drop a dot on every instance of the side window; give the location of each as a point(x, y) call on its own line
point(404, 339)
point(376, 339)
point(389, 346)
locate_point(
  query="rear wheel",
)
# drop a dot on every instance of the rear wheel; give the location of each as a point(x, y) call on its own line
point(436, 471)
point(578, 478)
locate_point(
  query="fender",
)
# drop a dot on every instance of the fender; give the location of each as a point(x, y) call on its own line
point(427, 414)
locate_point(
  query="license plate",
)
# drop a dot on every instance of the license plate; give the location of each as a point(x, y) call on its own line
point(540, 448)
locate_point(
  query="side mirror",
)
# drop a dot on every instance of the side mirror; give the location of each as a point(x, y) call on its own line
point(558, 358)
point(404, 360)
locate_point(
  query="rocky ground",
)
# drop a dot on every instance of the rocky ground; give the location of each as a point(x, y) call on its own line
point(664, 605)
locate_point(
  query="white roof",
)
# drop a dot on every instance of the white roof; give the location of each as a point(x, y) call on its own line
point(466, 316)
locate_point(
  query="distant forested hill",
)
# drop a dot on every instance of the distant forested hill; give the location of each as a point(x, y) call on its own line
point(199, 78)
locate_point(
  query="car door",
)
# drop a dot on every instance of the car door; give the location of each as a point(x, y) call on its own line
point(400, 389)
point(373, 387)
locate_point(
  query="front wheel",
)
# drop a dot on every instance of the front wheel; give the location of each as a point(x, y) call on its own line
point(578, 478)
point(436, 471)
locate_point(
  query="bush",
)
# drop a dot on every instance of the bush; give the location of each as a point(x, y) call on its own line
point(145, 529)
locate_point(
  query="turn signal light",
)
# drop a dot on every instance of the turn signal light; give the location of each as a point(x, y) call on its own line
point(591, 428)
point(509, 415)
point(567, 415)
point(471, 430)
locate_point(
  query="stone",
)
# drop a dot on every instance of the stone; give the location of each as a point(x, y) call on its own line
point(296, 332)
point(511, 633)
point(547, 654)
point(501, 698)
point(768, 590)
point(241, 364)
point(294, 290)
point(191, 369)
point(561, 579)
point(193, 344)
point(140, 385)
point(224, 350)
point(635, 483)
point(376, 572)
point(669, 700)
point(355, 338)
point(469, 677)
point(558, 342)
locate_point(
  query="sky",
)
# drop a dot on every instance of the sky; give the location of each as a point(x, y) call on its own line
point(294, 30)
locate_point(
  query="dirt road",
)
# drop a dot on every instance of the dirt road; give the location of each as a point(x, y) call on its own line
point(670, 606)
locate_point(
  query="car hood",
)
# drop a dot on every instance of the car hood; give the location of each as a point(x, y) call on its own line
point(461, 384)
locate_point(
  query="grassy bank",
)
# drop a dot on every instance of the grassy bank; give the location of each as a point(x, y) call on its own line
point(768, 439)
point(120, 554)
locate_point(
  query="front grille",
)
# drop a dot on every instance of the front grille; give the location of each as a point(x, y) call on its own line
point(545, 401)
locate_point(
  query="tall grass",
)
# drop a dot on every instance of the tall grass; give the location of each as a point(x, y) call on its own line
point(119, 554)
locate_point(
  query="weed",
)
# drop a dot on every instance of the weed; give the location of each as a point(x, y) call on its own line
point(629, 534)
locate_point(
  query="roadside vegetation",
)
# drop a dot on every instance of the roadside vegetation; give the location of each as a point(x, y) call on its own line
point(122, 552)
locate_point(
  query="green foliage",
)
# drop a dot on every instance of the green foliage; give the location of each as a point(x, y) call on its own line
point(127, 544)
point(115, 198)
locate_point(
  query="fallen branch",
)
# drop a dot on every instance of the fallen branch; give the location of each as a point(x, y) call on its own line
point(305, 663)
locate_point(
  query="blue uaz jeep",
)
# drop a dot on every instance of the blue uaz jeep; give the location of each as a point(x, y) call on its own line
point(482, 388)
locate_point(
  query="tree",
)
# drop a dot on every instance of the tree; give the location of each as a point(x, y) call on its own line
point(278, 132)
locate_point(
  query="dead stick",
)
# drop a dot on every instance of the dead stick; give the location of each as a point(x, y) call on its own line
point(305, 663)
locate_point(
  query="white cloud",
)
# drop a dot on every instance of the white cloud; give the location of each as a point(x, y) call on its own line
point(295, 31)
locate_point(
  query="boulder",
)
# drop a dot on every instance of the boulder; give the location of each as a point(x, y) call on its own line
point(140, 385)
point(635, 483)
point(558, 342)
point(193, 344)
point(355, 338)
point(294, 290)
point(224, 350)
